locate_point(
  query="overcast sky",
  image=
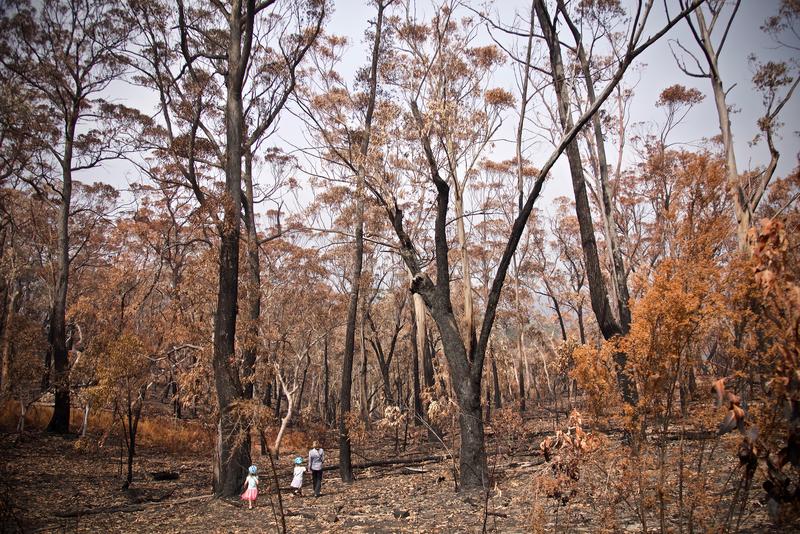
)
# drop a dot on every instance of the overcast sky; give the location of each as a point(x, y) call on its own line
point(656, 70)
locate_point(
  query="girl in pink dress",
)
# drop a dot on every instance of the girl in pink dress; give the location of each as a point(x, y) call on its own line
point(251, 487)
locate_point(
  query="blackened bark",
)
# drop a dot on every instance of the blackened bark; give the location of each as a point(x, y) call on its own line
point(233, 441)
point(466, 369)
point(618, 277)
point(253, 303)
point(581, 328)
point(302, 390)
point(326, 394)
point(134, 415)
point(345, 394)
point(557, 309)
point(278, 399)
point(377, 348)
point(11, 303)
point(609, 325)
point(385, 359)
point(57, 335)
point(345, 460)
point(362, 376)
point(498, 397)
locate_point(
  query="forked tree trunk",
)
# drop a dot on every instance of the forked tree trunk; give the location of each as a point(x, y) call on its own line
point(286, 419)
point(618, 283)
point(606, 320)
point(741, 204)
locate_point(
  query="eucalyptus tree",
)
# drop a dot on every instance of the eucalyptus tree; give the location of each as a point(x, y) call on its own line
point(66, 54)
point(222, 73)
point(466, 366)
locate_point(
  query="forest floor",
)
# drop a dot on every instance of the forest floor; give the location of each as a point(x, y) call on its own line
point(58, 484)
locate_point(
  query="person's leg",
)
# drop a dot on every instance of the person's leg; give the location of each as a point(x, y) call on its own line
point(317, 482)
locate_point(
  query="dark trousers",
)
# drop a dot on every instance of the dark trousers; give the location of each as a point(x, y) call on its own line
point(316, 477)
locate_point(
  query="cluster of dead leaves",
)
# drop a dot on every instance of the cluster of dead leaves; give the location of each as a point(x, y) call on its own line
point(566, 451)
point(734, 418)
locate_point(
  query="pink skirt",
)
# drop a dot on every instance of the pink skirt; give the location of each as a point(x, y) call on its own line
point(250, 494)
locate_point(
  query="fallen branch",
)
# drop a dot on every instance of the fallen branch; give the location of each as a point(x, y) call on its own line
point(127, 507)
point(165, 475)
point(413, 470)
point(394, 461)
point(304, 515)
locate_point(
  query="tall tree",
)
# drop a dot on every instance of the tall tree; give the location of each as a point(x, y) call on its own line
point(227, 54)
point(67, 53)
point(344, 122)
point(610, 307)
point(466, 367)
point(713, 22)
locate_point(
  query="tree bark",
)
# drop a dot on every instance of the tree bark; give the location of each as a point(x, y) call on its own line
point(520, 336)
point(362, 376)
point(415, 353)
point(345, 460)
point(57, 336)
point(253, 277)
point(619, 282)
point(609, 326)
point(134, 414)
point(11, 303)
point(232, 456)
point(498, 397)
point(741, 205)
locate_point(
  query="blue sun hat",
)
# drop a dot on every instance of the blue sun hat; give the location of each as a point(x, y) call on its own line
point(298, 460)
point(253, 470)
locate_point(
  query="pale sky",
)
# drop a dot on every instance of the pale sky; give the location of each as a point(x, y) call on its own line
point(656, 70)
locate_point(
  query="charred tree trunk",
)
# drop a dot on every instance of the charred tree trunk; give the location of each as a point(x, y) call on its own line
point(345, 460)
point(619, 282)
point(233, 440)
point(57, 335)
point(253, 277)
point(362, 377)
point(498, 397)
point(134, 414)
point(10, 305)
point(326, 394)
point(608, 323)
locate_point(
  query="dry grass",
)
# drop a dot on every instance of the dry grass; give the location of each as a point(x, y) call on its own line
point(165, 433)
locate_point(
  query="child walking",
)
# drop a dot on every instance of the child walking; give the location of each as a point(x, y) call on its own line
point(251, 487)
point(297, 480)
